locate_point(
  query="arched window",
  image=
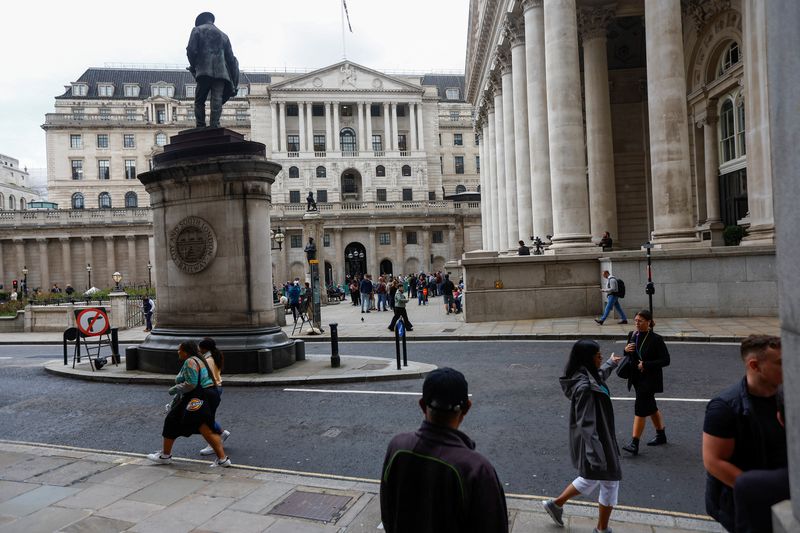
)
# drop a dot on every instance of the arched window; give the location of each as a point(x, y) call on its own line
point(406, 170)
point(740, 126)
point(347, 138)
point(77, 201)
point(321, 172)
point(730, 57)
point(460, 189)
point(161, 139)
point(380, 171)
point(294, 172)
point(12, 202)
point(23, 205)
point(104, 200)
point(727, 133)
point(131, 200)
point(2, 201)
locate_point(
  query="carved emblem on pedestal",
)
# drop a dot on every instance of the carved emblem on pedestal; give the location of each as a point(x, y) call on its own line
point(192, 244)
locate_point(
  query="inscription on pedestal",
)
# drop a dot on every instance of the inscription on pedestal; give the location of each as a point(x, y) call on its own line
point(192, 244)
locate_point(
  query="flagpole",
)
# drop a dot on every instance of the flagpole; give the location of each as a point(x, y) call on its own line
point(344, 44)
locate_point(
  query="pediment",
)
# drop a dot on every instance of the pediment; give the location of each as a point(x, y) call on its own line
point(346, 76)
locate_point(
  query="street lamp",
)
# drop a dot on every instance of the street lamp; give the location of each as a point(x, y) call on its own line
point(149, 274)
point(25, 280)
point(89, 274)
point(276, 236)
point(117, 277)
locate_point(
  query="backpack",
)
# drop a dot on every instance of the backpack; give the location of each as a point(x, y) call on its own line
point(620, 288)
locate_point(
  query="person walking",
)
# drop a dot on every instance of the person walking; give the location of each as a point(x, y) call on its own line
point(147, 309)
point(365, 287)
point(650, 355)
point(400, 301)
point(447, 291)
point(592, 437)
point(194, 407)
point(216, 363)
point(613, 289)
point(393, 292)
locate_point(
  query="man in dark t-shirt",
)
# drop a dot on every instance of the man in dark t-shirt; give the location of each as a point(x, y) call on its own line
point(741, 431)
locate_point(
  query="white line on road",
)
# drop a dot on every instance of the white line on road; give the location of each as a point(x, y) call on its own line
point(704, 400)
point(6, 357)
point(343, 391)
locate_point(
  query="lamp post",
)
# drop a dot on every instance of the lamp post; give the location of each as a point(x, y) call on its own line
point(25, 280)
point(650, 288)
point(117, 277)
point(276, 236)
point(149, 274)
point(89, 274)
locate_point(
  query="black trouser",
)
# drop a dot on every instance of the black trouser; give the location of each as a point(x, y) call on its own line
point(754, 494)
point(400, 312)
point(295, 310)
point(216, 87)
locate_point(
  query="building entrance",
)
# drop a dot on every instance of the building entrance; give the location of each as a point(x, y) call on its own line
point(355, 259)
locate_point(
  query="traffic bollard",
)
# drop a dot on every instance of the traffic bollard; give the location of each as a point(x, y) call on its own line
point(335, 360)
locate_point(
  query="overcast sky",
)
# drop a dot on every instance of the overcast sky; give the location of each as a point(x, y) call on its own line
point(48, 44)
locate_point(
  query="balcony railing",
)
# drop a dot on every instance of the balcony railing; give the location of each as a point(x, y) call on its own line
point(424, 207)
point(350, 153)
point(379, 153)
point(72, 119)
point(404, 153)
point(320, 154)
point(293, 154)
point(69, 217)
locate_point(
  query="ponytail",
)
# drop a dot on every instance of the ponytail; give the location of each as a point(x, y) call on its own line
point(209, 344)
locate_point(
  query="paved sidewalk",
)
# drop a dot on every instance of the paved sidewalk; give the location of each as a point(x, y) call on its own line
point(52, 488)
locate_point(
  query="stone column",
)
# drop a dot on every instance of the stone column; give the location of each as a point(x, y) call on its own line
point(565, 127)
point(522, 153)
point(420, 128)
point(511, 190)
point(368, 120)
point(44, 265)
point(669, 126)
point(111, 258)
point(452, 245)
point(387, 135)
point(328, 137)
point(412, 121)
point(395, 145)
point(399, 246)
point(484, 204)
point(301, 123)
point(487, 193)
point(336, 127)
point(711, 155)
point(131, 270)
point(19, 249)
point(338, 263)
point(88, 255)
point(491, 155)
point(282, 126)
point(757, 135)
point(599, 138)
point(500, 163)
point(361, 129)
point(66, 259)
point(372, 253)
point(310, 128)
point(425, 233)
point(2, 267)
point(537, 118)
point(273, 111)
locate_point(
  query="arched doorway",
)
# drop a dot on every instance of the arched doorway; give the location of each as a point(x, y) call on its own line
point(351, 185)
point(386, 267)
point(355, 259)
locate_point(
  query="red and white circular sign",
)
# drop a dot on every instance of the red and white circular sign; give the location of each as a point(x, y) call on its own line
point(92, 322)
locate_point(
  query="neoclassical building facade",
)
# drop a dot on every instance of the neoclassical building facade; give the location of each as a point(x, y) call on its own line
point(15, 185)
point(382, 155)
point(643, 118)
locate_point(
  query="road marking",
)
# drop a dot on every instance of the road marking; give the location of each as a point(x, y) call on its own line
point(698, 400)
point(345, 391)
point(6, 357)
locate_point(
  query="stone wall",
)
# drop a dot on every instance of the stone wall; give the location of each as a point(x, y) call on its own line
point(13, 324)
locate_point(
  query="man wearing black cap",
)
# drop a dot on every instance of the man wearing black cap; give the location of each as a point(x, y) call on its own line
point(433, 480)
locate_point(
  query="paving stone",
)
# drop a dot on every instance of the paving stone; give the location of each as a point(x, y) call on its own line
point(526, 522)
point(237, 522)
point(168, 490)
point(262, 498)
point(367, 519)
point(70, 473)
point(129, 511)
point(45, 520)
point(33, 500)
point(112, 472)
point(138, 477)
point(296, 526)
point(95, 496)
point(9, 458)
point(697, 525)
point(185, 515)
point(355, 509)
point(231, 488)
point(97, 524)
point(11, 489)
point(34, 466)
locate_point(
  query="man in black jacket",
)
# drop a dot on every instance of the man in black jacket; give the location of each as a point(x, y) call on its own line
point(433, 480)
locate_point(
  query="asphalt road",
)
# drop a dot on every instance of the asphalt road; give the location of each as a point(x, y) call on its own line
point(519, 418)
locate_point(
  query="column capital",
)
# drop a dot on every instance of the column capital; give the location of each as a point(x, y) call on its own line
point(593, 22)
point(514, 31)
point(108, 238)
point(336, 229)
point(41, 240)
point(502, 59)
point(18, 240)
point(85, 238)
point(130, 237)
point(64, 240)
point(702, 11)
point(399, 228)
point(531, 4)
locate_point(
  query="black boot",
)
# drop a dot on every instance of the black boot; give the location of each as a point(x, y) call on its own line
point(632, 447)
point(659, 439)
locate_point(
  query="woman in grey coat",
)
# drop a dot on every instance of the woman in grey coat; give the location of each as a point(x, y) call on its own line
point(593, 441)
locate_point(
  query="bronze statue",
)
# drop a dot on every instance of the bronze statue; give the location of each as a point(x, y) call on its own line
point(213, 65)
point(311, 204)
point(311, 250)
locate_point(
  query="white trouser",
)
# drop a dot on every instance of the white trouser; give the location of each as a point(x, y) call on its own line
point(609, 490)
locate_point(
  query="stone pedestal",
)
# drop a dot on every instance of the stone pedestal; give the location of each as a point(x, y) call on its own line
point(119, 309)
point(210, 194)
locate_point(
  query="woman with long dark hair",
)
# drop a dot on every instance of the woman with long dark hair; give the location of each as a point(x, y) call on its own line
point(216, 362)
point(194, 412)
point(650, 354)
point(593, 441)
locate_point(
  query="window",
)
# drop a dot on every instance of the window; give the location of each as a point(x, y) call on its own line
point(384, 238)
point(293, 143)
point(75, 141)
point(477, 140)
point(452, 93)
point(131, 90)
point(161, 139)
point(740, 127)
point(190, 90)
point(375, 110)
point(441, 164)
point(130, 169)
point(431, 196)
point(460, 189)
point(406, 170)
point(440, 139)
point(322, 196)
point(77, 169)
point(349, 184)
point(296, 241)
point(78, 113)
point(12, 202)
point(727, 133)
point(401, 110)
point(294, 172)
point(729, 58)
point(102, 140)
point(294, 197)
point(242, 92)
point(411, 237)
point(348, 140)
point(80, 89)
point(437, 236)
point(131, 200)
point(103, 169)
point(104, 201)
point(381, 195)
point(105, 113)
point(161, 115)
point(459, 162)
point(326, 240)
point(128, 140)
point(319, 143)
point(380, 171)
point(346, 111)
point(77, 201)
point(162, 90)
point(131, 115)
point(321, 172)
point(23, 205)
point(377, 143)
point(478, 164)
point(408, 195)
point(291, 110)
point(458, 139)
point(401, 142)
point(317, 110)
point(241, 115)
point(105, 90)
point(454, 116)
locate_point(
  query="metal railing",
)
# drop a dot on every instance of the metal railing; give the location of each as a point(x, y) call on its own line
point(134, 314)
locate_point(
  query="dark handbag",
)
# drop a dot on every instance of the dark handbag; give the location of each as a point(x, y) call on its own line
point(194, 406)
point(628, 367)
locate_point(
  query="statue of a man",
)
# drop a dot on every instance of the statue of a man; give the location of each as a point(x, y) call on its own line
point(213, 65)
point(311, 249)
point(311, 204)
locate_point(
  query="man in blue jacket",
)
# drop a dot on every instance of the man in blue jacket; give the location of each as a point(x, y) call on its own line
point(294, 299)
point(365, 288)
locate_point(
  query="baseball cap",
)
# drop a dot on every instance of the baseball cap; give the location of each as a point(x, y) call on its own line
point(445, 389)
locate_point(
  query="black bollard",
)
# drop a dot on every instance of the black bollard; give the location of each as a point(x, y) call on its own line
point(405, 351)
point(335, 360)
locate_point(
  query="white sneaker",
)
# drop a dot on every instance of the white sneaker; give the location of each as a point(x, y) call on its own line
point(160, 458)
point(225, 463)
point(208, 450)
